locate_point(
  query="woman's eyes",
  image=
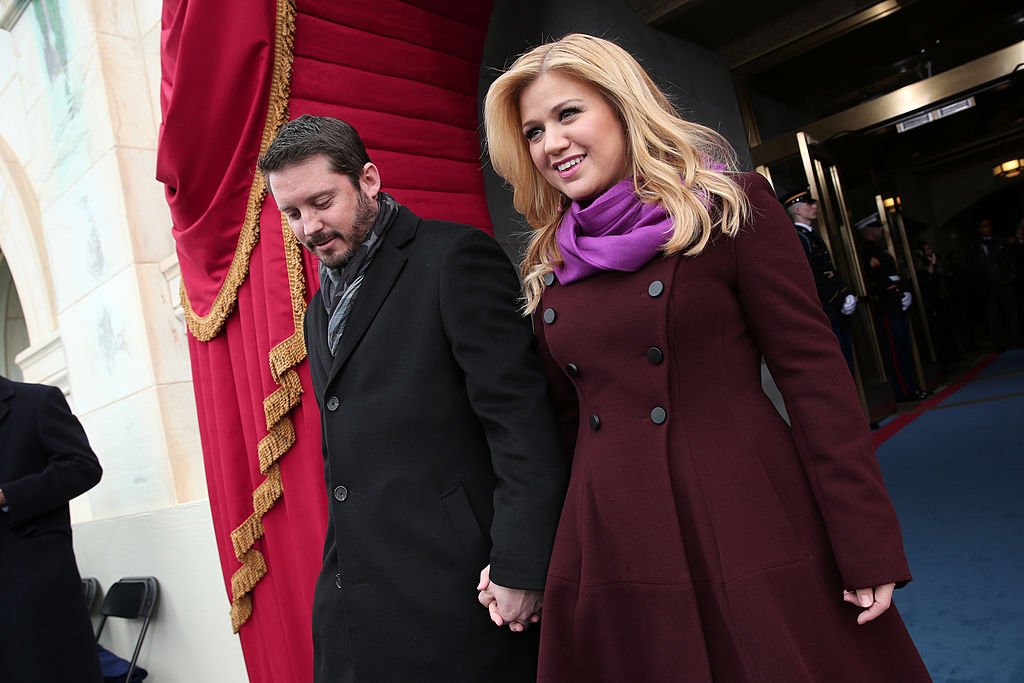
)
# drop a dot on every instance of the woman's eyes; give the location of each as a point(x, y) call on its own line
point(567, 113)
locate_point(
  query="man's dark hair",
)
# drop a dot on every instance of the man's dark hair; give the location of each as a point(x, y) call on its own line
point(308, 136)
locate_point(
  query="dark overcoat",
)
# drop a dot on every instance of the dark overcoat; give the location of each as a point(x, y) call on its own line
point(702, 538)
point(440, 455)
point(45, 461)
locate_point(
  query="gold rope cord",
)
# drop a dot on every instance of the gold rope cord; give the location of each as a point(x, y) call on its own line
point(283, 357)
point(206, 327)
point(279, 439)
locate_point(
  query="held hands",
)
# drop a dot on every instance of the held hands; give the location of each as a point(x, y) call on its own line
point(875, 601)
point(907, 299)
point(513, 606)
point(849, 304)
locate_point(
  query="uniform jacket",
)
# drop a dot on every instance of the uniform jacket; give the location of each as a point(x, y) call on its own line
point(702, 538)
point(885, 284)
point(831, 289)
point(45, 461)
point(440, 455)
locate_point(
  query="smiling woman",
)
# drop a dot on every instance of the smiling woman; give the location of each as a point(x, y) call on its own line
point(576, 139)
point(572, 99)
point(702, 539)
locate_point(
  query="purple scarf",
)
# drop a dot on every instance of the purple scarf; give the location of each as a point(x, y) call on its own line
point(616, 231)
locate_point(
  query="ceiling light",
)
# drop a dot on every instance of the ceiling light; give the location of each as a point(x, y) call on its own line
point(1009, 169)
point(912, 122)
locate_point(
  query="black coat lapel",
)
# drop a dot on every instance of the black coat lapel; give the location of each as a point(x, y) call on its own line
point(380, 276)
point(316, 334)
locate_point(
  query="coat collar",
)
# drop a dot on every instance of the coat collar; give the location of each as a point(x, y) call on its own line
point(6, 392)
point(378, 281)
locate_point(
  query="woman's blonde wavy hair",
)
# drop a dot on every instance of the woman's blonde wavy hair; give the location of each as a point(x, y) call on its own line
point(681, 165)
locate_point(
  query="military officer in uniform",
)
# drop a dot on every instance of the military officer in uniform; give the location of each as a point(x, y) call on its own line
point(892, 298)
point(837, 300)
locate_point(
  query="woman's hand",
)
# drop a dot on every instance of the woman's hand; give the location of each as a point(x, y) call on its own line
point(875, 601)
point(515, 607)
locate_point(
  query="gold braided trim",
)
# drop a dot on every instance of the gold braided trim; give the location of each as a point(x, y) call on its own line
point(283, 399)
point(274, 444)
point(206, 327)
point(241, 609)
point(281, 432)
point(249, 531)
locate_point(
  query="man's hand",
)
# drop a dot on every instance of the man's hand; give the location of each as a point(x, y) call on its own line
point(513, 606)
point(906, 300)
point(3, 498)
point(875, 601)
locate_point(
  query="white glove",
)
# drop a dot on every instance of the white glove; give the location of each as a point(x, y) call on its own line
point(849, 304)
point(907, 299)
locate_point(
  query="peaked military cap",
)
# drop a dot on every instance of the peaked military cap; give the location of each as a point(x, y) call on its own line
point(871, 221)
point(797, 196)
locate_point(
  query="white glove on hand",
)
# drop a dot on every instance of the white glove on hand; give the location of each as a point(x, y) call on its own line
point(849, 304)
point(907, 299)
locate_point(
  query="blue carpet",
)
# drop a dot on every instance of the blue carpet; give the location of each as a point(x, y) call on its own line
point(956, 475)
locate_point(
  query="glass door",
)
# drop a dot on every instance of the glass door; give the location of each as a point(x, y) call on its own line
point(814, 167)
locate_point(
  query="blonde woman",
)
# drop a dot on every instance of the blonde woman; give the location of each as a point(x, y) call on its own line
point(702, 538)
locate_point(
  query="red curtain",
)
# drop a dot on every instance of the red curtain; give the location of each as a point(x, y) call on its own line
point(405, 74)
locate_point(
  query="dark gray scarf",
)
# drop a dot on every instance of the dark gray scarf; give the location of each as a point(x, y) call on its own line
point(339, 286)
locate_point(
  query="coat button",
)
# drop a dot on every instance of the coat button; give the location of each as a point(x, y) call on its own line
point(549, 279)
point(656, 288)
point(655, 355)
point(573, 370)
point(337, 581)
point(658, 415)
point(340, 493)
point(550, 315)
point(333, 403)
point(595, 422)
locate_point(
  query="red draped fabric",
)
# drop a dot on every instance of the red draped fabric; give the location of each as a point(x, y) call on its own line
point(405, 74)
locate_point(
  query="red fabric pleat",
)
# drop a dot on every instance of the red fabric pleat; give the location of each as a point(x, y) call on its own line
point(404, 73)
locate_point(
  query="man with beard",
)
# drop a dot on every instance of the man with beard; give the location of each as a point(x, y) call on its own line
point(441, 455)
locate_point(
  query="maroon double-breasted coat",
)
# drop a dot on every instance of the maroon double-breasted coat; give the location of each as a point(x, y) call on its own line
point(702, 538)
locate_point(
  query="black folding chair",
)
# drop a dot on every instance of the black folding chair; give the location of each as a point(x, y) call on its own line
point(130, 598)
point(90, 589)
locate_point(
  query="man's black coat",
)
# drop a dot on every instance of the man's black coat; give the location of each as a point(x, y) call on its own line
point(441, 455)
point(45, 461)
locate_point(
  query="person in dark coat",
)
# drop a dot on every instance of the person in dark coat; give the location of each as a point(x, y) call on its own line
point(891, 297)
point(836, 298)
point(441, 455)
point(991, 271)
point(45, 461)
point(702, 539)
point(931, 281)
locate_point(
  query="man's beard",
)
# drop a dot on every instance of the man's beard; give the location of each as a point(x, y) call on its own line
point(362, 223)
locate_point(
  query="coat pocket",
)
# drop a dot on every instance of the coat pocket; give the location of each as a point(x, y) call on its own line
point(464, 522)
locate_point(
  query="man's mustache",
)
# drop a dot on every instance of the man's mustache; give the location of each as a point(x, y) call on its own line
point(322, 238)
